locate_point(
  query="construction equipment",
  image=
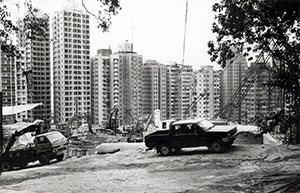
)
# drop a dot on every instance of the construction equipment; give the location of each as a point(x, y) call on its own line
point(195, 102)
point(239, 95)
point(46, 146)
point(149, 120)
point(112, 125)
point(73, 124)
point(135, 133)
point(67, 129)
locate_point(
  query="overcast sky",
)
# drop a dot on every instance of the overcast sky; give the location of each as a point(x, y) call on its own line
point(155, 27)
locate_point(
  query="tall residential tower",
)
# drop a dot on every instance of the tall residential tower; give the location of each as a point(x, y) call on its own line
point(154, 88)
point(100, 87)
point(71, 63)
point(126, 83)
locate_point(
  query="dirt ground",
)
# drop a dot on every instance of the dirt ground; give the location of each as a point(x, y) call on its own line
point(242, 168)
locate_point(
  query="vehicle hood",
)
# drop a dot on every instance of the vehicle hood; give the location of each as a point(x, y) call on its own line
point(158, 132)
point(60, 144)
point(223, 128)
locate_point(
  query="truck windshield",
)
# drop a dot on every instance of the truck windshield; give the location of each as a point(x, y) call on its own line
point(55, 137)
point(205, 125)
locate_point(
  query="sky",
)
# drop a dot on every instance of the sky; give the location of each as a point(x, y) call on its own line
point(154, 27)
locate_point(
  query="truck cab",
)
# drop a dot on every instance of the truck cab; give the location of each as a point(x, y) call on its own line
point(192, 133)
point(44, 148)
point(50, 145)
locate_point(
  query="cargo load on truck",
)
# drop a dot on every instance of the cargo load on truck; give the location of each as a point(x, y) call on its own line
point(28, 142)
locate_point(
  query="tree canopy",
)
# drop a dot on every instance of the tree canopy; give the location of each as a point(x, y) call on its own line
point(34, 25)
point(255, 25)
point(107, 9)
point(268, 26)
point(35, 22)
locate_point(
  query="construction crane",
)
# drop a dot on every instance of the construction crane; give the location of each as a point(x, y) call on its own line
point(248, 81)
point(195, 102)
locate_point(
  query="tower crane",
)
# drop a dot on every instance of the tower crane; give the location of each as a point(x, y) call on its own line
point(248, 81)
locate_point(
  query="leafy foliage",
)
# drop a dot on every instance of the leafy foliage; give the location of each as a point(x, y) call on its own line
point(107, 9)
point(268, 26)
point(35, 23)
point(255, 25)
point(34, 27)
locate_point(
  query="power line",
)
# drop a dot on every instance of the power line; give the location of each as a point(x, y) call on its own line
point(184, 36)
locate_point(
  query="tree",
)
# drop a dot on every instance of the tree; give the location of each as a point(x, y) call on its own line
point(35, 23)
point(268, 26)
point(35, 26)
point(107, 9)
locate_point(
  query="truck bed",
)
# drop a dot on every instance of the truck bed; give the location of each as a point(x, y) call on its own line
point(160, 132)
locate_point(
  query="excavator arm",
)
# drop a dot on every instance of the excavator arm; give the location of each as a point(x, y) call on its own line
point(29, 128)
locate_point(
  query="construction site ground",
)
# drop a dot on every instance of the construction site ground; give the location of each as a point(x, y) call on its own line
point(242, 168)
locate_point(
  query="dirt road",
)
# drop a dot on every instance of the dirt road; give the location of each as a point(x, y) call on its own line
point(242, 168)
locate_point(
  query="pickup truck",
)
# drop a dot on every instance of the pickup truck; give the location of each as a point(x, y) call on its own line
point(45, 147)
point(191, 133)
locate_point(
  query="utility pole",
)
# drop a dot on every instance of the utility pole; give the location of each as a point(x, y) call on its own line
point(1, 123)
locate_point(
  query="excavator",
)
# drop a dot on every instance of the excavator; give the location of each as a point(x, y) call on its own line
point(73, 124)
point(135, 134)
point(111, 127)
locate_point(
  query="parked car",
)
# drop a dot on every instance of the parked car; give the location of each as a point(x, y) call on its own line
point(192, 133)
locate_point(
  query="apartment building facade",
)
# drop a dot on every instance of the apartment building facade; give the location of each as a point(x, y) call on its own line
point(29, 74)
point(100, 87)
point(261, 99)
point(154, 88)
point(206, 92)
point(233, 74)
point(71, 64)
point(126, 84)
point(179, 90)
point(8, 70)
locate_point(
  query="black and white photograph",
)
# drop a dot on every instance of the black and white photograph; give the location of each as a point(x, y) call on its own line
point(150, 96)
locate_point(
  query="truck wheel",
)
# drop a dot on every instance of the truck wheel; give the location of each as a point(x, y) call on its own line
point(165, 149)
point(60, 157)
point(5, 166)
point(44, 160)
point(217, 146)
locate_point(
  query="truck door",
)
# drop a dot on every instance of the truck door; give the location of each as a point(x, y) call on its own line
point(185, 136)
point(201, 135)
point(42, 144)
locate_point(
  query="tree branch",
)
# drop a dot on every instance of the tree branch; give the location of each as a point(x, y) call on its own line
point(82, 2)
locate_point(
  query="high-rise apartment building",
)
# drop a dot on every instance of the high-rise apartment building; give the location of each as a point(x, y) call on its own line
point(100, 87)
point(179, 90)
point(218, 75)
point(33, 83)
point(71, 63)
point(261, 99)
point(206, 92)
point(233, 75)
point(154, 88)
point(126, 84)
point(8, 70)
